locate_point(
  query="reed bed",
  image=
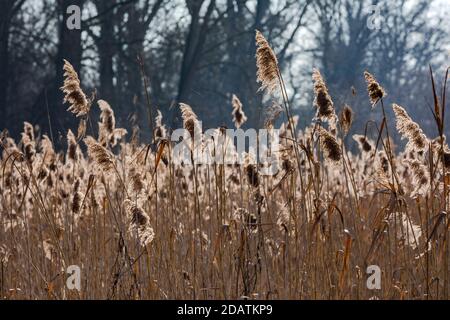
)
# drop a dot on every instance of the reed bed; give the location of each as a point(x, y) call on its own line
point(142, 226)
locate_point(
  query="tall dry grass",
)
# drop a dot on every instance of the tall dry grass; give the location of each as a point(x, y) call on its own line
point(141, 226)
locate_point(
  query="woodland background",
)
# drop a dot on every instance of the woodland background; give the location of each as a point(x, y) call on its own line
point(202, 51)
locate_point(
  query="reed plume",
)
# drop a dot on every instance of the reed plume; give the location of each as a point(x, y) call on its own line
point(266, 64)
point(160, 128)
point(285, 129)
point(139, 223)
point(239, 117)
point(322, 101)
point(272, 113)
point(74, 95)
point(286, 162)
point(410, 130)
point(248, 220)
point(99, 154)
point(28, 147)
point(28, 129)
point(72, 147)
point(50, 252)
point(190, 120)
point(48, 151)
point(376, 92)
point(421, 178)
point(364, 144)
point(346, 119)
point(284, 220)
point(330, 146)
point(135, 180)
point(108, 133)
point(81, 133)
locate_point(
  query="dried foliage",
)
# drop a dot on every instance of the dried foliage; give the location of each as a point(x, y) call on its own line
point(73, 94)
point(322, 101)
point(267, 65)
point(410, 130)
point(143, 226)
point(239, 117)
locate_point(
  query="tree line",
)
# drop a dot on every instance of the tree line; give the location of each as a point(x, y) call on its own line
point(133, 53)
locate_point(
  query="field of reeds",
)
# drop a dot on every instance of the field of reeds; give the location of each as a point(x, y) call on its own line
point(140, 225)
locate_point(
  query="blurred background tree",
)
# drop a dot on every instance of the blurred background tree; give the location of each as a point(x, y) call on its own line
point(202, 51)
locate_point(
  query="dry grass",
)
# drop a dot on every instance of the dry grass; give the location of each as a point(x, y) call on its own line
point(142, 227)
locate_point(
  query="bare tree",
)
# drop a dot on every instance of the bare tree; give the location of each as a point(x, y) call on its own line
point(397, 51)
point(202, 51)
point(8, 11)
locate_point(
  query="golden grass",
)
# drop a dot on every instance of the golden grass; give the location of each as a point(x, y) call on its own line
point(142, 227)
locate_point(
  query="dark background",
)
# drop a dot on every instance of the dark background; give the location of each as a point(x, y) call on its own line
point(202, 51)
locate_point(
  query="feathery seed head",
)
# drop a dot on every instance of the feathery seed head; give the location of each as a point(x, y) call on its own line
point(81, 133)
point(239, 117)
point(272, 114)
point(190, 120)
point(330, 146)
point(376, 92)
point(322, 101)
point(99, 154)
point(410, 130)
point(266, 64)
point(364, 144)
point(74, 95)
point(346, 119)
point(28, 129)
point(421, 177)
point(136, 182)
point(72, 146)
point(160, 128)
point(77, 197)
point(139, 223)
point(107, 117)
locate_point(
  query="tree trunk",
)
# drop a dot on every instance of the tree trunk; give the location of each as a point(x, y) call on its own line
point(106, 49)
point(5, 23)
point(50, 101)
point(4, 71)
point(192, 52)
